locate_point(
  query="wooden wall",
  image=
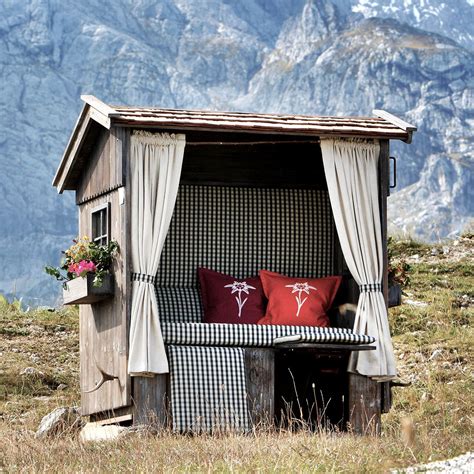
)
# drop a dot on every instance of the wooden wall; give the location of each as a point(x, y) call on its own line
point(280, 165)
point(105, 169)
point(104, 325)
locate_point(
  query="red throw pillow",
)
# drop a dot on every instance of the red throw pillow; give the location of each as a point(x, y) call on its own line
point(226, 299)
point(298, 301)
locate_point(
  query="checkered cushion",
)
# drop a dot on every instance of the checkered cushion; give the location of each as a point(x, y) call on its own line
point(251, 335)
point(179, 304)
point(239, 231)
point(208, 390)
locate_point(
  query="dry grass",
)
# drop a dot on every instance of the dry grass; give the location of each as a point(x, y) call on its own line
point(433, 343)
point(281, 452)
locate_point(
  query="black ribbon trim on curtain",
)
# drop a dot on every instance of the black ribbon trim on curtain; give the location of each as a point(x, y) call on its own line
point(144, 278)
point(370, 288)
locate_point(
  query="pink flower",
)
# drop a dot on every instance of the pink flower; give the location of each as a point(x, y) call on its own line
point(84, 267)
point(72, 268)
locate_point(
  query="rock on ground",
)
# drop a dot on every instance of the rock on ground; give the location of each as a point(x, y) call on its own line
point(60, 421)
point(99, 433)
point(463, 464)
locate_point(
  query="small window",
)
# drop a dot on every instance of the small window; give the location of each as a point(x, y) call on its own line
point(100, 224)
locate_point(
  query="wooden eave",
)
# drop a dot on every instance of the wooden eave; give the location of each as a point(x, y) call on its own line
point(90, 121)
point(382, 126)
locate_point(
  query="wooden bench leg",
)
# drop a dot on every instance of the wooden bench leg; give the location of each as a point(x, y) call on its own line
point(150, 400)
point(364, 405)
point(260, 381)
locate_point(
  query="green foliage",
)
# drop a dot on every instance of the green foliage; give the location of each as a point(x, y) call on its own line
point(405, 247)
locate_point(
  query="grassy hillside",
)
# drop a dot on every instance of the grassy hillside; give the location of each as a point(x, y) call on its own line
point(433, 338)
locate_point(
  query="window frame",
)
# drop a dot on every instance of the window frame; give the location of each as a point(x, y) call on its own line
point(97, 229)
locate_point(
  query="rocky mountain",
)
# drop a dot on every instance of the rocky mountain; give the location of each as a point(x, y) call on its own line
point(414, 59)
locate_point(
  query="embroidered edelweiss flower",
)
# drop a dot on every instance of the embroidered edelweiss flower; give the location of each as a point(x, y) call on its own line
point(240, 287)
point(300, 288)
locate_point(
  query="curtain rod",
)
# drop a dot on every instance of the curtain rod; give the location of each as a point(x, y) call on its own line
point(267, 142)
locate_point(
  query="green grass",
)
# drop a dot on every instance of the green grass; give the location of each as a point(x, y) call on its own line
point(434, 349)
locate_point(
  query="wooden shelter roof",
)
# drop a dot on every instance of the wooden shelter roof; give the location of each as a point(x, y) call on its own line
point(382, 126)
point(246, 122)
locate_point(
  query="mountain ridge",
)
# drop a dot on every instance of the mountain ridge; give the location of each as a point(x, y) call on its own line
point(333, 58)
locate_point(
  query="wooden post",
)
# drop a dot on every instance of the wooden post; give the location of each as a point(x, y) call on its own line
point(384, 192)
point(383, 173)
point(150, 401)
point(364, 405)
point(260, 380)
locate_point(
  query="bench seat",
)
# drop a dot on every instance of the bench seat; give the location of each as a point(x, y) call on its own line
point(251, 335)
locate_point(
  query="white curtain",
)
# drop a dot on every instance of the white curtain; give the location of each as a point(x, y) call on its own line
point(156, 161)
point(351, 173)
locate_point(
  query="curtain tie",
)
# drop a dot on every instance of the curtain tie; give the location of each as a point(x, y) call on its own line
point(143, 277)
point(370, 287)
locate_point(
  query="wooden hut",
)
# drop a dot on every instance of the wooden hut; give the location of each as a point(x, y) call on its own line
point(236, 193)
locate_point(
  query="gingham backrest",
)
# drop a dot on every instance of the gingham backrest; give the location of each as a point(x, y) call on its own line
point(239, 231)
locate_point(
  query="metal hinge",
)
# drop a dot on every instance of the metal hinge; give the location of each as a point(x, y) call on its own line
point(392, 174)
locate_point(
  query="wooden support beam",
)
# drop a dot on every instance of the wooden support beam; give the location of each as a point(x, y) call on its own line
point(99, 117)
point(260, 380)
point(398, 122)
point(408, 127)
point(384, 191)
point(98, 105)
point(150, 400)
point(364, 405)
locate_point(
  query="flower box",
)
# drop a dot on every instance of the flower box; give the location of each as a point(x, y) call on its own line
point(82, 291)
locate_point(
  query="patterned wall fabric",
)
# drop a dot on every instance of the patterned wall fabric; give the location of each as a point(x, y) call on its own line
point(239, 231)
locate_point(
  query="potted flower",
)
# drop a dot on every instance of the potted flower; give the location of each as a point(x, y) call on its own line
point(85, 271)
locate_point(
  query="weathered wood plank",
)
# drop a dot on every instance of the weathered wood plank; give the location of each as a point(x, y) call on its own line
point(82, 290)
point(364, 405)
point(150, 400)
point(260, 381)
point(262, 166)
point(394, 119)
point(103, 170)
point(100, 118)
point(121, 415)
point(98, 105)
point(103, 338)
point(75, 142)
point(386, 397)
point(122, 157)
point(383, 175)
point(322, 347)
point(250, 127)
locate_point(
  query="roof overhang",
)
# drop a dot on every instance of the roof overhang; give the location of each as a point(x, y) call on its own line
point(96, 113)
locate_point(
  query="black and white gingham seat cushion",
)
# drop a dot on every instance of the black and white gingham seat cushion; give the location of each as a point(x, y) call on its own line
point(208, 389)
point(251, 335)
